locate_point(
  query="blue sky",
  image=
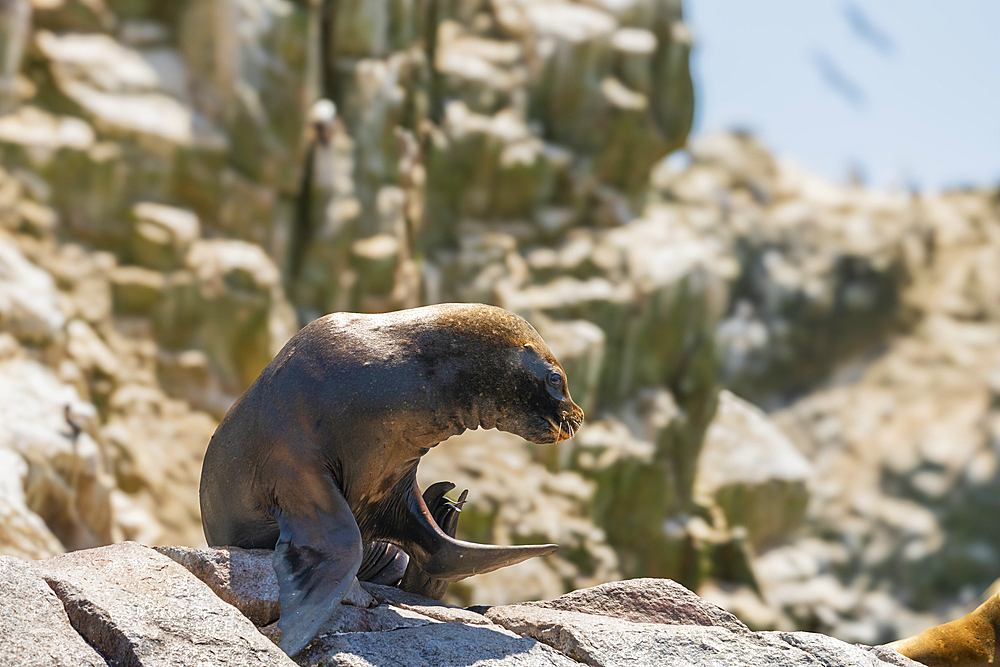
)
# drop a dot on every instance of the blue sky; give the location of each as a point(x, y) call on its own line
point(907, 91)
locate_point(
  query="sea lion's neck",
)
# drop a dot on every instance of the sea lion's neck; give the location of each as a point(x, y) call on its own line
point(481, 414)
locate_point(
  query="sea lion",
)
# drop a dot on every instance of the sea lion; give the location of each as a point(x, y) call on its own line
point(970, 641)
point(319, 456)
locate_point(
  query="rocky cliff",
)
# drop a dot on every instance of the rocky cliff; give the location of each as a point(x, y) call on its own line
point(174, 204)
point(177, 205)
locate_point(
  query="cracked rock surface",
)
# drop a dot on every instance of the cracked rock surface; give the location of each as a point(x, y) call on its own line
point(138, 607)
point(127, 604)
point(33, 623)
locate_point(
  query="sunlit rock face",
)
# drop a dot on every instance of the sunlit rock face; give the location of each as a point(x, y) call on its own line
point(884, 301)
point(174, 205)
point(905, 446)
point(129, 603)
point(822, 267)
point(176, 208)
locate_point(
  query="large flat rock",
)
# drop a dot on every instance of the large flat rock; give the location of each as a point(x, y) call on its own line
point(34, 625)
point(432, 645)
point(129, 605)
point(603, 641)
point(245, 579)
point(138, 607)
point(435, 609)
point(646, 601)
point(242, 577)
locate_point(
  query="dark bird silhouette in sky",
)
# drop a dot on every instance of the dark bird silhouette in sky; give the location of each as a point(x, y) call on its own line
point(866, 30)
point(839, 81)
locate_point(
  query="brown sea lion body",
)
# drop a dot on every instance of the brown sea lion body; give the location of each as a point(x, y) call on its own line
point(318, 458)
point(970, 641)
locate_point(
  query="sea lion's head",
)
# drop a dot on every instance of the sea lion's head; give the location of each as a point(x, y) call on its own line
point(541, 409)
point(510, 379)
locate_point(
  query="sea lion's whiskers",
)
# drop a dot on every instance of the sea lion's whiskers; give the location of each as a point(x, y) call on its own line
point(559, 434)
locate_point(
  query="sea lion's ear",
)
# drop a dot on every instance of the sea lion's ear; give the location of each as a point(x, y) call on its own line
point(316, 560)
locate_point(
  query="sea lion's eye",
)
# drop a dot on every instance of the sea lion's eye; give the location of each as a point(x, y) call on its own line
point(555, 379)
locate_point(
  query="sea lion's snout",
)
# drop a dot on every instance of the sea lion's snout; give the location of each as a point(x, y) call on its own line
point(554, 426)
point(570, 422)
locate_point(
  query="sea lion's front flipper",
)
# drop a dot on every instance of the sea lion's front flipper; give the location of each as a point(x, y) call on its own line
point(447, 559)
point(316, 559)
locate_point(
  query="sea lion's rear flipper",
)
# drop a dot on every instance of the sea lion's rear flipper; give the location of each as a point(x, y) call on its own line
point(386, 564)
point(445, 513)
point(316, 560)
point(457, 559)
point(383, 563)
point(444, 558)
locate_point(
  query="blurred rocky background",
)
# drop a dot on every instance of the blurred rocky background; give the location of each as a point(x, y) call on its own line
point(175, 201)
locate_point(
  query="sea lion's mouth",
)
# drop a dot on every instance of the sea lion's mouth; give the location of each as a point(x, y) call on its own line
point(565, 428)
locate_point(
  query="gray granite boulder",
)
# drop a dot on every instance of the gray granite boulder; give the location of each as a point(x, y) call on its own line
point(645, 601)
point(242, 577)
point(605, 641)
point(138, 607)
point(433, 645)
point(245, 579)
point(34, 625)
point(133, 605)
point(753, 472)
